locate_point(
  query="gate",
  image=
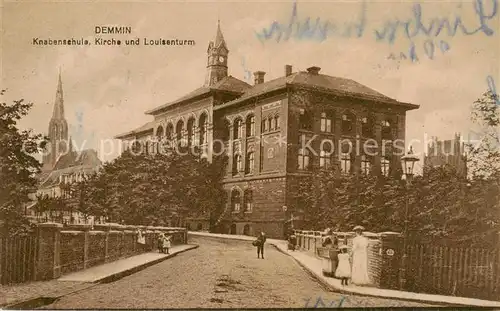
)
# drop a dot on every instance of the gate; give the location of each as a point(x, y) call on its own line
point(454, 271)
point(17, 259)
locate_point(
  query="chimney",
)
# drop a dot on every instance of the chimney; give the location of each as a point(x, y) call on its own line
point(313, 70)
point(259, 77)
point(288, 70)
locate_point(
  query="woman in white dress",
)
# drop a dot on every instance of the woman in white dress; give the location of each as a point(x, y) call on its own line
point(360, 258)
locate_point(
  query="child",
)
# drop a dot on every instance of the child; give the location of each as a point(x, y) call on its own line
point(161, 237)
point(344, 268)
point(166, 244)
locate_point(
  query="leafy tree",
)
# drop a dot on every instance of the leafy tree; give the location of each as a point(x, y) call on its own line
point(18, 166)
point(154, 189)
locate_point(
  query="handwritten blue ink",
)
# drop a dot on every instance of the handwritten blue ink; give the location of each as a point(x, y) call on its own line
point(316, 30)
point(444, 46)
point(320, 303)
point(436, 24)
point(429, 48)
point(248, 73)
point(413, 54)
point(492, 88)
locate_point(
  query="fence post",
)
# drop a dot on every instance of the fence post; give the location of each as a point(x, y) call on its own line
point(391, 251)
point(48, 264)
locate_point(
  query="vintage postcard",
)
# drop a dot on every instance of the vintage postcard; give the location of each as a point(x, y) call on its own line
point(249, 154)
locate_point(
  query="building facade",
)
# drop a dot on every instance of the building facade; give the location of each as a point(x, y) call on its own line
point(274, 132)
point(447, 152)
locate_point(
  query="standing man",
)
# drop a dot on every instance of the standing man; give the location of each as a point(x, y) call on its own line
point(261, 239)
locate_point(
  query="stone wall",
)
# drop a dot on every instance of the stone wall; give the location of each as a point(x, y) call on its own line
point(76, 247)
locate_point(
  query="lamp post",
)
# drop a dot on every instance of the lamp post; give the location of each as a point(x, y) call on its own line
point(285, 231)
point(408, 162)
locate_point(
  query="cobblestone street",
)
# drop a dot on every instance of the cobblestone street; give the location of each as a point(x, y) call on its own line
point(219, 274)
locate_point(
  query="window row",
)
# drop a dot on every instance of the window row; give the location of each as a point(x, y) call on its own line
point(346, 162)
point(347, 127)
point(270, 123)
point(249, 163)
point(236, 201)
point(169, 134)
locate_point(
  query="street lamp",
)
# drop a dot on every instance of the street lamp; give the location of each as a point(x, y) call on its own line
point(408, 161)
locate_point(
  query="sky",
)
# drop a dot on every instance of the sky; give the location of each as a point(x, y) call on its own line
point(107, 89)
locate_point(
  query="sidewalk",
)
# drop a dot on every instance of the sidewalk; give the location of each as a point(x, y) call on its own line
point(29, 295)
point(313, 265)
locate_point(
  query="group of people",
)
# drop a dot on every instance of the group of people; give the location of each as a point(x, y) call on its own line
point(357, 256)
point(163, 242)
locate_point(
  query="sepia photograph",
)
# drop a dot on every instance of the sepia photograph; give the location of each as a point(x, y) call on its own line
point(168, 154)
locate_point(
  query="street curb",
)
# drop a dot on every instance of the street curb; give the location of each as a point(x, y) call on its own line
point(333, 288)
point(122, 274)
point(346, 290)
point(38, 302)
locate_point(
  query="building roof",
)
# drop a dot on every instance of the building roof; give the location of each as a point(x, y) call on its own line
point(53, 178)
point(86, 161)
point(141, 129)
point(87, 157)
point(320, 82)
point(227, 84)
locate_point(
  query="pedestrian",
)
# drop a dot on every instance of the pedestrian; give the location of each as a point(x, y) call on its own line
point(360, 258)
point(159, 241)
point(166, 244)
point(141, 240)
point(343, 271)
point(261, 239)
point(292, 241)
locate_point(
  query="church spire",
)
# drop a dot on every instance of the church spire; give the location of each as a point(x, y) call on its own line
point(58, 112)
point(219, 38)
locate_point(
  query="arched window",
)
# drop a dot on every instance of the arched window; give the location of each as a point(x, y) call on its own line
point(159, 132)
point(179, 131)
point(303, 158)
point(386, 130)
point(326, 122)
point(276, 122)
point(235, 200)
point(250, 162)
point(265, 126)
point(56, 132)
point(203, 124)
point(226, 127)
point(248, 200)
point(237, 128)
point(367, 127)
point(237, 164)
point(270, 121)
point(385, 166)
point(305, 120)
point(366, 164)
point(250, 126)
point(190, 131)
point(169, 132)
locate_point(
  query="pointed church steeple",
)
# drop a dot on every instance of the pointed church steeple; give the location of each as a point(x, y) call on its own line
point(219, 38)
point(58, 131)
point(217, 54)
point(58, 112)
